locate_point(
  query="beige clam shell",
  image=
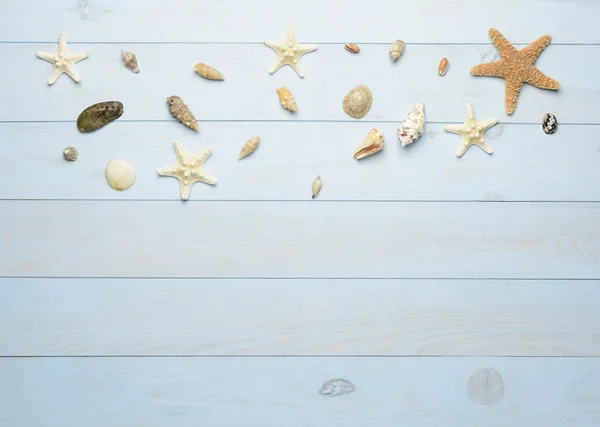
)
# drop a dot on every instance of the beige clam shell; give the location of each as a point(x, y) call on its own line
point(208, 72)
point(120, 175)
point(358, 101)
point(249, 147)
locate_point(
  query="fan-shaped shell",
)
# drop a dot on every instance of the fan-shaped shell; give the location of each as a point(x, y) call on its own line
point(99, 115)
point(357, 102)
point(120, 175)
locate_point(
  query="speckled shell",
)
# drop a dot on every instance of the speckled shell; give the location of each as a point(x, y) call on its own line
point(70, 154)
point(130, 61)
point(249, 147)
point(549, 123)
point(396, 50)
point(287, 99)
point(208, 72)
point(372, 143)
point(358, 101)
point(181, 112)
point(99, 115)
point(316, 187)
point(120, 175)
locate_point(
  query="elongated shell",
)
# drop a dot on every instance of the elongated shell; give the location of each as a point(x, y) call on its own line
point(287, 99)
point(316, 187)
point(130, 61)
point(249, 147)
point(181, 112)
point(396, 50)
point(358, 101)
point(413, 125)
point(372, 143)
point(99, 115)
point(208, 72)
point(443, 67)
point(120, 175)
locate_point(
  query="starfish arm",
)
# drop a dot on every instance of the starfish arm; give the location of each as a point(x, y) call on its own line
point(291, 34)
point(62, 43)
point(186, 187)
point(457, 129)
point(297, 68)
point(511, 94)
point(207, 179)
point(306, 48)
point(277, 66)
point(531, 52)
point(48, 56)
point(169, 171)
point(502, 44)
point(70, 70)
point(486, 124)
point(485, 147)
point(462, 149)
point(489, 69)
point(539, 79)
point(179, 151)
point(56, 72)
point(276, 46)
point(78, 56)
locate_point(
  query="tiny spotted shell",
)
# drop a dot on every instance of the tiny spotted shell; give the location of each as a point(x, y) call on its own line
point(208, 72)
point(120, 175)
point(70, 154)
point(99, 115)
point(549, 123)
point(443, 67)
point(249, 147)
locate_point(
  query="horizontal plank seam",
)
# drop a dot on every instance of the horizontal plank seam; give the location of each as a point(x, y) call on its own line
point(261, 43)
point(249, 278)
point(321, 201)
point(288, 356)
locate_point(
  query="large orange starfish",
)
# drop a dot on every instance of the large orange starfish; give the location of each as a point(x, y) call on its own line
point(516, 67)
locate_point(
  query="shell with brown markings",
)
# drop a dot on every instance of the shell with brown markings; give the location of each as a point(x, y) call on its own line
point(99, 115)
point(181, 112)
point(372, 143)
point(130, 61)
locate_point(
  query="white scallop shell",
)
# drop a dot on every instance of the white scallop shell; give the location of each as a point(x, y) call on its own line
point(120, 175)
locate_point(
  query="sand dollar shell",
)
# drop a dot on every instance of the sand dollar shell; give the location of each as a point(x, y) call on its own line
point(120, 175)
point(99, 115)
point(357, 102)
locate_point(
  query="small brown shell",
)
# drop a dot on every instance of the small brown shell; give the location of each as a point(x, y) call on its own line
point(358, 101)
point(443, 67)
point(249, 147)
point(287, 99)
point(351, 47)
point(99, 115)
point(396, 50)
point(130, 61)
point(208, 72)
point(372, 143)
point(181, 112)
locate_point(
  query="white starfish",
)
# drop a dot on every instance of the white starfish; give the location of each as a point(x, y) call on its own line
point(472, 132)
point(289, 52)
point(63, 61)
point(188, 169)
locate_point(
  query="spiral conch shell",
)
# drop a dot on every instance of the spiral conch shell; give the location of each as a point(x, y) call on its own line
point(287, 99)
point(208, 72)
point(372, 143)
point(358, 101)
point(316, 187)
point(120, 175)
point(249, 147)
point(130, 61)
point(396, 50)
point(413, 125)
point(181, 112)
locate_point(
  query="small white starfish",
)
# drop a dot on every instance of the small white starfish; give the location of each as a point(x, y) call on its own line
point(188, 169)
point(63, 61)
point(472, 132)
point(289, 52)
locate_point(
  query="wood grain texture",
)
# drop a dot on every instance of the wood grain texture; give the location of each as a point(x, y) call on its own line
point(527, 164)
point(298, 239)
point(163, 317)
point(429, 21)
point(256, 392)
point(248, 92)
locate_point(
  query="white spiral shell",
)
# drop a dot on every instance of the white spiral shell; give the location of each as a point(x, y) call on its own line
point(120, 175)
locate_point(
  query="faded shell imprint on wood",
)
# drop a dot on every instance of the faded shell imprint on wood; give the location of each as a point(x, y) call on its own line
point(249, 147)
point(549, 124)
point(372, 143)
point(70, 154)
point(337, 387)
point(358, 101)
point(208, 72)
point(351, 47)
point(443, 67)
point(130, 61)
point(413, 125)
point(396, 50)
point(287, 99)
point(316, 187)
point(99, 115)
point(181, 112)
point(486, 387)
point(120, 175)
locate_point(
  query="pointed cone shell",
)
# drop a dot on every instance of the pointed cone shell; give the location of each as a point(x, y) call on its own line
point(287, 99)
point(181, 112)
point(316, 187)
point(208, 72)
point(357, 102)
point(413, 125)
point(396, 50)
point(249, 147)
point(372, 143)
point(120, 175)
point(130, 61)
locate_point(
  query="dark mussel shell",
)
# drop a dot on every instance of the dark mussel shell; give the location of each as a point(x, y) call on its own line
point(99, 115)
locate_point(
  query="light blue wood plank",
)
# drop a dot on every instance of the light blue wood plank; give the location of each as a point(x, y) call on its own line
point(188, 392)
point(162, 317)
point(572, 21)
point(299, 239)
point(248, 93)
point(527, 164)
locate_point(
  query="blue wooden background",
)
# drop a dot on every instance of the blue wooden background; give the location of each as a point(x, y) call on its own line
point(412, 271)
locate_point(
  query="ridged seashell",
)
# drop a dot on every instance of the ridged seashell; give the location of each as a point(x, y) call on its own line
point(549, 123)
point(351, 47)
point(208, 72)
point(99, 115)
point(397, 49)
point(316, 187)
point(337, 387)
point(181, 112)
point(120, 175)
point(372, 143)
point(287, 99)
point(70, 154)
point(130, 61)
point(358, 101)
point(443, 67)
point(249, 147)
point(413, 125)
